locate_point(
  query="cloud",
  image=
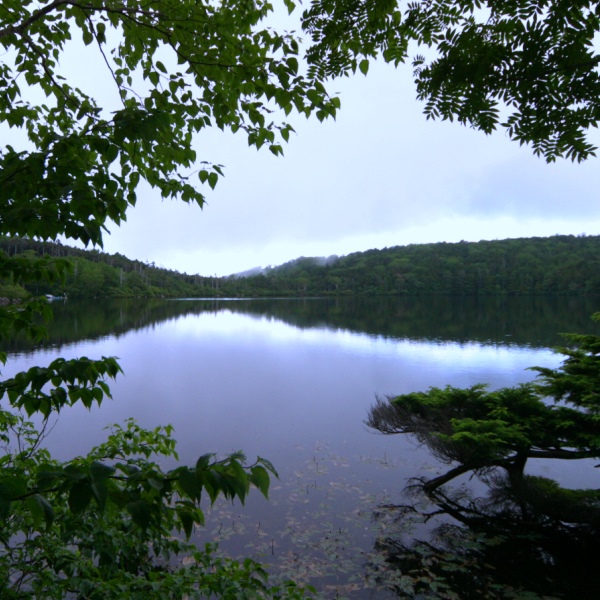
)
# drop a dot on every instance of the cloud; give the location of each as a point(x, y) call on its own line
point(380, 175)
point(527, 187)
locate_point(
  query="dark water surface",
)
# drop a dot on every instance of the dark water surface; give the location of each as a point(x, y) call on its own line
point(292, 380)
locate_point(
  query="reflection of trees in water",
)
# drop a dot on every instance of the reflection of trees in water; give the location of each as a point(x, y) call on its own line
point(527, 536)
point(538, 540)
point(93, 319)
point(531, 321)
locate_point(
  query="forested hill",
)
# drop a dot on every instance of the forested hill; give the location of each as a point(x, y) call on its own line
point(556, 265)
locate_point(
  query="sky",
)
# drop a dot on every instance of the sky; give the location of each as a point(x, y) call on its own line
point(380, 175)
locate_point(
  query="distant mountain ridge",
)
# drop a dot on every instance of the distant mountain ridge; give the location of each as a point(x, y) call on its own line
point(556, 265)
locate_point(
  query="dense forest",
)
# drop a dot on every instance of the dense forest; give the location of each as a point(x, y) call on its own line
point(557, 265)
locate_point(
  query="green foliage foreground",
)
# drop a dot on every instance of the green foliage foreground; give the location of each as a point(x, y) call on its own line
point(113, 523)
point(105, 525)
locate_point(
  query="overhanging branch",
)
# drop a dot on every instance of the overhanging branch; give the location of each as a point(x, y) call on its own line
point(36, 16)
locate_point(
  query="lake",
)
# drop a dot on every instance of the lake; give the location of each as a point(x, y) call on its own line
point(292, 381)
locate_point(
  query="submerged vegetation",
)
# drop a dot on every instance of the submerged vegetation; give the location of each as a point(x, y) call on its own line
point(558, 265)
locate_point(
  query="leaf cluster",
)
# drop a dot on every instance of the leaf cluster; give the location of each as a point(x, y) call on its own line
point(528, 66)
point(177, 67)
point(109, 518)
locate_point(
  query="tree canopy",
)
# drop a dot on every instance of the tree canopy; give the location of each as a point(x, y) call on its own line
point(529, 66)
point(558, 265)
point(177, 67)
point(480, 430)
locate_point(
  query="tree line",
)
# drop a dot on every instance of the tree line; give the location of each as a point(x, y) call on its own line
point(561, 264)
point(557, 265)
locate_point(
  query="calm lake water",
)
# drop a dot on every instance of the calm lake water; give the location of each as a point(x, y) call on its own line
point(292, 381)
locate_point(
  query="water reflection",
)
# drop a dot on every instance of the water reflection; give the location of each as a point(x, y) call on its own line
point(292, 381)
point(531, 540)
point(533, 322)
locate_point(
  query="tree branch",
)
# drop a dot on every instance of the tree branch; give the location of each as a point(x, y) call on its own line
point(36, 16)
point(106, 61)
point(68, 98)
point(432, 485)
point(564, 454)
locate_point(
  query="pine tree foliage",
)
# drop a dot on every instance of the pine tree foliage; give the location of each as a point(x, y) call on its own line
point(527, 536)
point(481, 431)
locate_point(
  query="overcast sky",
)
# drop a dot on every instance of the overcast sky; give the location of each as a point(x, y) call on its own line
point(381, 175)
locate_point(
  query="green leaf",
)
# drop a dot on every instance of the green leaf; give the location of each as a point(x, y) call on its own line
point(364, 66)
point(140, 513)
point(268, 465)
point(101, 32)
point(4, 507)
point(100, 470)
point(187, 521)
point(100, 492)
point(189, 483)
point(293, 64)
point(260, 478)
point(41, 510)
point(203, 462)
point(49, 476)
point(213, 178)
point(7, 494)
point(80, 496)
point(157, 484)
point(111, 153)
